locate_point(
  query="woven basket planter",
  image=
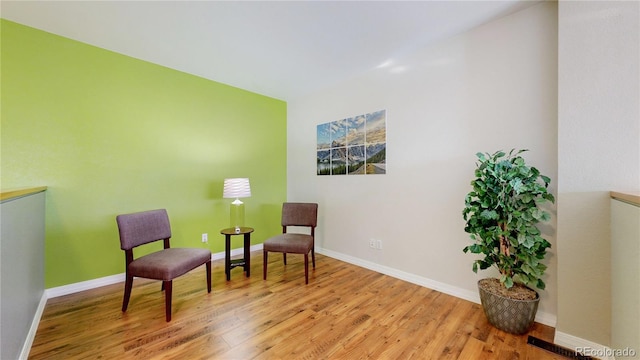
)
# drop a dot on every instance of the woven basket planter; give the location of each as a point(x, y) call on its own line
point(512, 316)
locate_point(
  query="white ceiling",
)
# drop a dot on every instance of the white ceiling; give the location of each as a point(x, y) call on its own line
point(282, 49)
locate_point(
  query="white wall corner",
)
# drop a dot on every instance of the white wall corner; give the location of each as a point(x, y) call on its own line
point(473, 296)
point(31, 335)
point(585, 347)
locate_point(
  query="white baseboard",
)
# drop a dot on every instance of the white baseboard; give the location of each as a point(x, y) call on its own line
point(118, 278)
point(31, 335)
point(84, 285)
point(585, 347)
point(234, 252)
point(473, 296)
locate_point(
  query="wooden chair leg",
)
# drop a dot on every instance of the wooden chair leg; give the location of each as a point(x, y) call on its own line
point(306, 268)
point(127, 292)
point(284, 257)
point(167, 298)
point(209, 276)
point(313, 257)
point(264, 264)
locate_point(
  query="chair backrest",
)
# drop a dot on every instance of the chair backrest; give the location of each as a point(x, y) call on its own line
point(299, 214)
point(143, 227)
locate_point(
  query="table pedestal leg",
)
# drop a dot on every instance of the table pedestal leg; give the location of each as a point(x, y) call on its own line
point(247, 253)
point(227, 256)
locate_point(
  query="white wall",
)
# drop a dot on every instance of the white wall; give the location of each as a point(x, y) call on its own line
point(492, 88)
point(598, 151)
point(22, 222)
point(625, 275)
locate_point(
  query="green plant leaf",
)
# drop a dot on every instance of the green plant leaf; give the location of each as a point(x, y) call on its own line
point(475, 248)
point(485, 264)
point(489, 214)
point(528, 242)
point(508, 282)
point(545, 216)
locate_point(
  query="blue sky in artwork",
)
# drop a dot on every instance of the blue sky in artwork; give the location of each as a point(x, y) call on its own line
point(376, 120)
point(338, 129)
point(324, 135)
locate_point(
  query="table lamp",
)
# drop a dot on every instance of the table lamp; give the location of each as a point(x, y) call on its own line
point(236, 188)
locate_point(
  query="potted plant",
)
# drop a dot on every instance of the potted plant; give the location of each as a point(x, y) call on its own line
point(501, 213)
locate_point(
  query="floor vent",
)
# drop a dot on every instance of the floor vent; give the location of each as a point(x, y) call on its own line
point(557, 349)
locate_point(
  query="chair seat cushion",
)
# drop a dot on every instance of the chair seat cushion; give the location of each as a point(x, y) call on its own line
point(290, 243)
point(169, 263)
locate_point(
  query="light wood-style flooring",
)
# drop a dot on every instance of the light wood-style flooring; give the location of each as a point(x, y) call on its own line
point(346, 312)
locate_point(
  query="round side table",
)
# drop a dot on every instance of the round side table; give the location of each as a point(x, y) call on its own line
point(244, 262)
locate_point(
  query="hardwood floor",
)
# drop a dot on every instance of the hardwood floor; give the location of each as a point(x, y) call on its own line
point(346, 312)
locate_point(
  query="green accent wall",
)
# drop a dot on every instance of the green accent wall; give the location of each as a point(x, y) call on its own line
point(110, 134)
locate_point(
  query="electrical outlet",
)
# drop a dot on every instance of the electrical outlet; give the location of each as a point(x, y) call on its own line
point(205, 238)
point(372, 243)
point(379, 244)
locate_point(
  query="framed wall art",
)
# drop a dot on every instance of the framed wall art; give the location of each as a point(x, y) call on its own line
point(353, 146)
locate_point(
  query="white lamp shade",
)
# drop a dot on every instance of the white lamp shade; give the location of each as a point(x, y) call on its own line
point(236, 188)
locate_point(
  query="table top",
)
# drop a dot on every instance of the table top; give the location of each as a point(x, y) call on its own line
point(232, 231)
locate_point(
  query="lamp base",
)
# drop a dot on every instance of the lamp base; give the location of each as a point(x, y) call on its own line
point(237, 216)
